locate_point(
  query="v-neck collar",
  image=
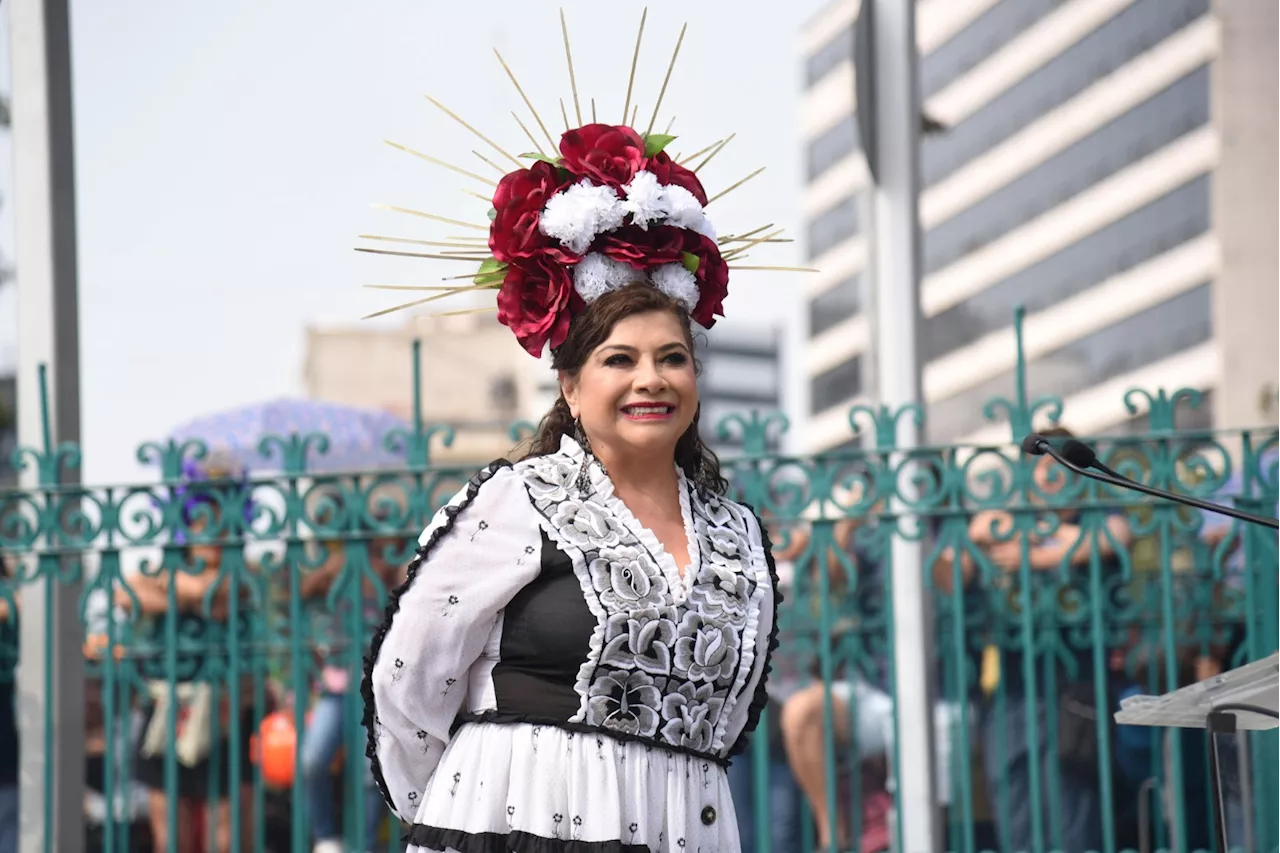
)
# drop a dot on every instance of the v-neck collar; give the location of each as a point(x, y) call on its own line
point(602, 485)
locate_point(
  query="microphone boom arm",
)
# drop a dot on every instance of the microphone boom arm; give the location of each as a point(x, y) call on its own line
point(1123, 483)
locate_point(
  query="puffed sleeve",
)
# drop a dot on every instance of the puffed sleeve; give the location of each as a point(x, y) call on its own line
point(746, 713)
point(442, 624)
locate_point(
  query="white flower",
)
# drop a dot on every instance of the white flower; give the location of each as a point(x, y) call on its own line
point(646, 199)
point(684, 211)
point(596, 274)
point(578, 215)
point(677, 282)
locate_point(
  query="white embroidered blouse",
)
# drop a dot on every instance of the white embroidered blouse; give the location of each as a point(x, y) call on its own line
point(532, 603)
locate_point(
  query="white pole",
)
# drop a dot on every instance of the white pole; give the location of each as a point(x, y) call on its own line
point(50, 704)
point(895, 120)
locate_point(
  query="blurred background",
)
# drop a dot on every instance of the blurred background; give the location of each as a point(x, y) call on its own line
point(1096, 226)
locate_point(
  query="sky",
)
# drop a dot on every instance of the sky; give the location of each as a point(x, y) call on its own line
point(227, 155)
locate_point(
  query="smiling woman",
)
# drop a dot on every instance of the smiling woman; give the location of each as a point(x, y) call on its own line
point(583, 639)
point(579, 628)
point(629, 386)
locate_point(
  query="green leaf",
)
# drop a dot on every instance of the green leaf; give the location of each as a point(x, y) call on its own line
point(655, 142)
point(492, 271)
point(543, 157)
point(691, 262)
point(493, 214)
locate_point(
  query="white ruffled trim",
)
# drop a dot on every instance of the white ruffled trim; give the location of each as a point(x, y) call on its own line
point(604, 493)
point(751, 632)
point(582, 685)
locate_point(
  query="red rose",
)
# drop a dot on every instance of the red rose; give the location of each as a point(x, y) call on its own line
point(630, 244)
point(607, 155)
point(534, 302)
point(712, 276)
point(519, 200)
point(670, 173)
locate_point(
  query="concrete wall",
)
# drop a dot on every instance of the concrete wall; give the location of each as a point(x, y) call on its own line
point(1246, 301)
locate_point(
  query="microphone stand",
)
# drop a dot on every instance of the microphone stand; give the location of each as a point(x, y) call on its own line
point(1124, 483)
point(1221, 720)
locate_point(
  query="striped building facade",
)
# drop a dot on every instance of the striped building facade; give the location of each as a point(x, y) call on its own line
point(1076, 177)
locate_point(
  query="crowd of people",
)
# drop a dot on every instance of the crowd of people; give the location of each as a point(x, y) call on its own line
point(982, 555)
point(852, 711)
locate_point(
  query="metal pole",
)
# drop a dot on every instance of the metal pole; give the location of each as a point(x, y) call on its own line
point(50, 688)
point(894, 121)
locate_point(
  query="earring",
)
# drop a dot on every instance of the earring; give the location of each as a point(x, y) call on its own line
point(579, 435)
point(700, 471)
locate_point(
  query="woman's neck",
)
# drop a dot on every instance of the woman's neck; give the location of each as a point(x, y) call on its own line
point(652, 477)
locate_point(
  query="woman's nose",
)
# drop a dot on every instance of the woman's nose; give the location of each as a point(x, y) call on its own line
point(648, 377)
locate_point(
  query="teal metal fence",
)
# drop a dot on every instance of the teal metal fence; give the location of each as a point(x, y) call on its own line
point(221, 619)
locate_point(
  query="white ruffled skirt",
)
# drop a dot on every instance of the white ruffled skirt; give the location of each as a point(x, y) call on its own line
point(524, 788)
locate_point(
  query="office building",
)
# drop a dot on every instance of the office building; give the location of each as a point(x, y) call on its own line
point(1110, 165)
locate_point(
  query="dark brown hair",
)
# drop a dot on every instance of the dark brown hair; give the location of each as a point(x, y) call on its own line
point(589, 330)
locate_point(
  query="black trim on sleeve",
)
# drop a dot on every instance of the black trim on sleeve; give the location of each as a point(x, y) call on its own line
point(393, 606)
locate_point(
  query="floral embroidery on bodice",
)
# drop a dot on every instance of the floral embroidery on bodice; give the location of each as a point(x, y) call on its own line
point(670, 656)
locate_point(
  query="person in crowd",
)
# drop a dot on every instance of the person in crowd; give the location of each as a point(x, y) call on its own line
point(1065, 551)
point(8, 721)
point(340, 645)
point(781, 798)
point(859, 688)
point(198, 583)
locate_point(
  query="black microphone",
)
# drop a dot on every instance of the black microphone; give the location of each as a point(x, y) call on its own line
point(1079, 457)
point(1035, 445)
point(1082, 454)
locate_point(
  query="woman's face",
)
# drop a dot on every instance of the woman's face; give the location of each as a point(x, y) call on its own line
point(637, 392)
point(207, 553)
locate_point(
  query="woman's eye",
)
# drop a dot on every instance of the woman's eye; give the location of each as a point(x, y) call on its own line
point(676, 358)
point(617, 360)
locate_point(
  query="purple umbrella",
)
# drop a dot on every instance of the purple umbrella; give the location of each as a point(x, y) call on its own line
point(357, 439)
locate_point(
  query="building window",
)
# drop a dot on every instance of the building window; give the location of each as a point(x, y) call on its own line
point(1134, 342)
point(836, 305)
point(834, 227)
point(989, 32)
point(748, 380)
point(1148, 232)
point(1138, 133)
point(837, 49)
point(832, 146)
point(835, 386)
point(1129, 34)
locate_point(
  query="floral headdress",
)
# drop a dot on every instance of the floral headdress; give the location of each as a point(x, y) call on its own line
point(606, 207)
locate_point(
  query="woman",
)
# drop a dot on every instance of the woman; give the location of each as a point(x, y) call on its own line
point(200, 592)
point(583, 638)
point(1059, 565)
point(341, 646)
